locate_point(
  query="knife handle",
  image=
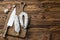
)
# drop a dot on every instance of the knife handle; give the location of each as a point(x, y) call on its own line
point(5, 32)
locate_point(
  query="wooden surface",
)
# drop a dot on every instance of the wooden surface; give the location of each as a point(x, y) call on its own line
point(44, 17)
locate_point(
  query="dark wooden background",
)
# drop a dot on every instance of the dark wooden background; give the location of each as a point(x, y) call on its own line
point(44, 19)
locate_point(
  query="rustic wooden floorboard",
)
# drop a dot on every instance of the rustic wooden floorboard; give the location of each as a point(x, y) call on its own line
point(44, 15)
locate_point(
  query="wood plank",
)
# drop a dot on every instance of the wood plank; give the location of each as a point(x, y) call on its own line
point(56, 36)
point(37, 34)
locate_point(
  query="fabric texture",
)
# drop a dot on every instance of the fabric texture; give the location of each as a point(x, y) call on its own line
point(25, 23)
point(16, 24)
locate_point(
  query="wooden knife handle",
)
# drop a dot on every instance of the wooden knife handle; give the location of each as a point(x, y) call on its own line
point(5, 32)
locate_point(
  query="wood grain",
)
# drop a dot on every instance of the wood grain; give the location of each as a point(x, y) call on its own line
point(44, 21)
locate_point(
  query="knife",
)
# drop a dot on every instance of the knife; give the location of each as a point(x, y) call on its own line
point(10, 21)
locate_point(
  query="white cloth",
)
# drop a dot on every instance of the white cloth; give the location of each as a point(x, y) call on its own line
point(16, 24)
point(25, 23)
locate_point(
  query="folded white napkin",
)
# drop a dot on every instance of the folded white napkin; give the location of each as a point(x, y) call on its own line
point(16, 24)
point(25, 23)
